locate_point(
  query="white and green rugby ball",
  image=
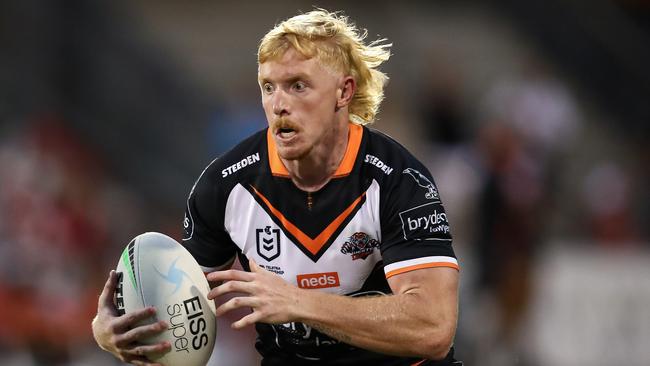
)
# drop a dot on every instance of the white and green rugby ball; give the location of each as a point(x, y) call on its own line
point(155, 270)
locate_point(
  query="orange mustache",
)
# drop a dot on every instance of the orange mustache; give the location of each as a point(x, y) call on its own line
point(284, 123)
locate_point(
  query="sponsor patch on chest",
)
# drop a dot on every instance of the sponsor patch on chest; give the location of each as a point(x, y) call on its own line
point(318, 280)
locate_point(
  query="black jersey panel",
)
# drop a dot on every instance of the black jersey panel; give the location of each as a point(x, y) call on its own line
point(312, 212)
point(204, 235)
point(312, 244)
point(413, 218)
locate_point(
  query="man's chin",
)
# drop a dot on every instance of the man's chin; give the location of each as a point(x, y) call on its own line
point(291, 153)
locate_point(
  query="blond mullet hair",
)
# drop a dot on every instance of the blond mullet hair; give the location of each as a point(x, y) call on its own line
point(337, 43)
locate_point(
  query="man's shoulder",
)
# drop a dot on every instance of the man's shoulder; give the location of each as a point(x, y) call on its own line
point(227, 169)
point(382, 149)
point(247, 153)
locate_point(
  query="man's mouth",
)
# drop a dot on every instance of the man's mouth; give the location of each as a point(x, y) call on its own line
point(285, 133)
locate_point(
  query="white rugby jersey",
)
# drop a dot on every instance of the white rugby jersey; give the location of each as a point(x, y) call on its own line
point(379, 216)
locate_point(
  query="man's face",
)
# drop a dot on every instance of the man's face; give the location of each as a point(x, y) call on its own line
point(299, 97)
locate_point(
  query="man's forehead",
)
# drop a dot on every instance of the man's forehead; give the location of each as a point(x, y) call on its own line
point(287, 64)
point(290, 64)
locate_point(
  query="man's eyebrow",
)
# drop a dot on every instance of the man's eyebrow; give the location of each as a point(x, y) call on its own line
point(289, 79)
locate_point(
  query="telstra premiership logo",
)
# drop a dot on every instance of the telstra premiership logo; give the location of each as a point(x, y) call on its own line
point(174, 276)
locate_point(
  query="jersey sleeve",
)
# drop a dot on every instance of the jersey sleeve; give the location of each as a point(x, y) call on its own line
point(415, 229)
point(204, 235)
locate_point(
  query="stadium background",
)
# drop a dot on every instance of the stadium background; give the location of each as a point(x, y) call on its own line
point(534, 119)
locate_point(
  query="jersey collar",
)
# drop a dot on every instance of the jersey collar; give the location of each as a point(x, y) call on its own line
point(345, 168)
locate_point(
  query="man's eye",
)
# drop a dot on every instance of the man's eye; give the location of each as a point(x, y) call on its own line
point(300, 86)
point(268, 88)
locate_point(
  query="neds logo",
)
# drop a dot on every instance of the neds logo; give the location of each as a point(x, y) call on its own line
point(318, 280)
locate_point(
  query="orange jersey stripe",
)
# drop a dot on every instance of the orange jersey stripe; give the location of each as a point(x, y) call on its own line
point(345, 168)
point(421, 266)
point(277, 167)
point(313, 245)
point(354, 143)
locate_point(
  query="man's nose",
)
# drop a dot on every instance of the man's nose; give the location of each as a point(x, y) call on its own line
point(280, 106)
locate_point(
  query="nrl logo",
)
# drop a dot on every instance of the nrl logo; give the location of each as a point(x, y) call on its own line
point(424, 182)
point(268, 243)
point(359, 245)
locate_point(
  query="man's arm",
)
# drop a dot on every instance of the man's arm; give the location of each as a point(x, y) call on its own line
point(418, 320)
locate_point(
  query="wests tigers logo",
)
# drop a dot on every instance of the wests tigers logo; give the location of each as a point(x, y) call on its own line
point(359, 245)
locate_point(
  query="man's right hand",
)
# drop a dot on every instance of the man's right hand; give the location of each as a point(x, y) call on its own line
point(120, 336)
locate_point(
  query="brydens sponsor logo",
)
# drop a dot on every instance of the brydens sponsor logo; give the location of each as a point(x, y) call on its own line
point(428, 218)
point(318, 280)
point(427, 222)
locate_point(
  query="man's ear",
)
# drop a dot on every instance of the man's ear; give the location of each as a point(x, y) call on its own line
point(345, 92)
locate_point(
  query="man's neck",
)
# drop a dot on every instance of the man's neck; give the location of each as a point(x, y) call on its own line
point(314, 171)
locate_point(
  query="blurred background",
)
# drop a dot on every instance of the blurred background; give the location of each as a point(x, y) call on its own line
point(534, 118)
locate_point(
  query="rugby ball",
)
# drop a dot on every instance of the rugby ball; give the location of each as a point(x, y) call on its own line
point(155, 270)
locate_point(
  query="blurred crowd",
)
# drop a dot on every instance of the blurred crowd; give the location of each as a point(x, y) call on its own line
point(60, 215)
point(515, 179)
point(521, 168)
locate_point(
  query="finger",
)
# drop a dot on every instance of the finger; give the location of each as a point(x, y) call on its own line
point(249, 319)
point(236, 303)
point(128, 320)
point(231, 286)
point(231, 274)
point(144, 350)
point(253, 266)
point(139, 333)
point(106, 297)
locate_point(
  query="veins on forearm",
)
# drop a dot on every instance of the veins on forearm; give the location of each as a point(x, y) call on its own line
point(332, 332)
